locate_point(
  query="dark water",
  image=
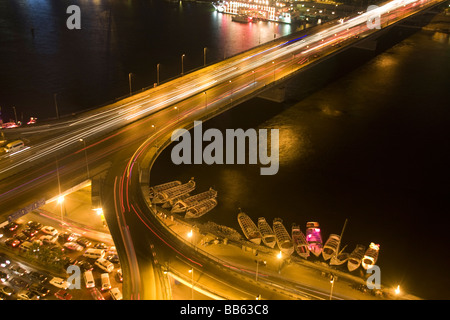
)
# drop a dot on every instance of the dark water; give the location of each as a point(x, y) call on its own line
point(369, 144)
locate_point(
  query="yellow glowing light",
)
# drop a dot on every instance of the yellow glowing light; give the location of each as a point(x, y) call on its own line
point(279, 255)
point(60, 199)
point(397, 290)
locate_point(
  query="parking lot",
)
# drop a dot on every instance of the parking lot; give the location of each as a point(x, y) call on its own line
point(21, 277)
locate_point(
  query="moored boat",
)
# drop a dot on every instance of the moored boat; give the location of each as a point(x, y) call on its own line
point(339, 259)
point(184, 204)
point(299, 240)
point(354, 260)
point(268, 236)
point(200, 209)
point(284, 240)
point(242, 18)
point(314, 238)
point(371, 256)
point(173, 193)
point(249, 228)
point(161, 187)
point(330, 246)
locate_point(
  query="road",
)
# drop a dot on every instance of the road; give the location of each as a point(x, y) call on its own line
point(62, 154)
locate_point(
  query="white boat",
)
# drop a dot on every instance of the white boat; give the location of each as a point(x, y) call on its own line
point(249, 228)
point(284, 240)
point(268, 236)
point(183, 205)
point(173, 193)
point(314, 238)
point(161, 187)
point(354, 260)
point(371, 256)
point(331, 246)
point(200, 209)
point(299, 240)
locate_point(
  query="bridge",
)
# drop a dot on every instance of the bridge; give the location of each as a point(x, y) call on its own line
point(115, 146)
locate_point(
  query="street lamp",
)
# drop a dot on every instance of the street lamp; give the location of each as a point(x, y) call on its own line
point(204, 56)
point(157, 74)
point(191, 271)
point(178, 112)
point(156, 141)
point(182, 63)
point(206, 101)
point(56, 106)
point(129, 81)
point(332, 278)
point(279, 256)
point(86, 157)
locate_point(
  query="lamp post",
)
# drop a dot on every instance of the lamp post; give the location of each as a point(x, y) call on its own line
point(157, 74)
point(191, 271)
point(332, 279)
point(206, 101)
point(178, 112)
point(204, 56)
point(279, 256)
point(182, 63)
point(56, 106)
point(129, 81)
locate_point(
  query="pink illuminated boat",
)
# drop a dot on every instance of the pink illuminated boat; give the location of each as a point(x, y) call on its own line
point(314, 238)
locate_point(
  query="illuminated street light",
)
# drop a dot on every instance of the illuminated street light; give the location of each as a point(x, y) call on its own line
point(191, 271)
point(182, 63)
point(129, 81)
point(397, 290)
point(86, 157)
point(60, 199)
point(332, 278)
point(157, 74)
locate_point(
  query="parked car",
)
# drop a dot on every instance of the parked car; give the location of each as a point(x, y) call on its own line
point(11, 226)
point(17, 269)
point(100, 245)
point(12, 242)
point(4, 276)
point(96, 294)
point(73, 246)
point(59, 283)
point(84, 242)
point(85, 265)
point(49, 230)
point(6, 289)
point(4, 262)
point(27, 295)
point(18, 282)
point(63, 295)
point(114, 258)
point(116, 294)
point(47, 239)
point(68, 237)
point(30, 232)
point(39, 289)
point(104, 264)
point(34, 225)
point(119, 276)
point(37, 276)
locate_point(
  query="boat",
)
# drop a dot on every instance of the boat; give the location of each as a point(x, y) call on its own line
point(242, 18)
point(284, 240)
point(161, 187)
point(249, 228)
point(174, 192)
point(371, 256)
point(268, 236)
point(183, 205)
point(168, 204)
point(200, 209)
point(299, 240)
point(354, 260)
point(340, 258)
point(314, 238)
point(331, 246)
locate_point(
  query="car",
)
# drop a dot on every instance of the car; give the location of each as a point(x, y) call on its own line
point(114, 258)
point(63, 295)
point(68, 237)
point(104, 265)
point(39, 289)
point(27, 295)
point(18, 269)
point(21, 237)
point(12, 226)
point(30, 232)
point(119, 275)
point(96, 294)
point(4, 276)
point(73, 246)
point(47, 239)
point(59, 283)
point(6, 290)
point(85, 265)
point(37, 276)
point(18, 282)
point(34, 225)
point(4, 262)
point(116, 294)
point(84, 242)
point(100, 245)
point(49, 230)
point(12, 242)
